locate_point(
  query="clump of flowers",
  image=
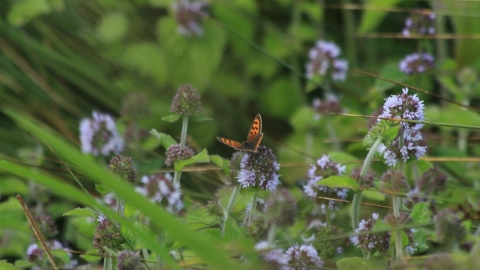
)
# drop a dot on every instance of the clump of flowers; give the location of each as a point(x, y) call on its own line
point(328, 249)
point(402, 219)
point(98, 135)
point(129, 260)
point(176, 152)
point(419, 23)
point(302, 257)
point(274, 257)
point(448, 227)
point(396, 181)
point(107, 236)
point(329, 104)
point(47, 225)
point(280, 208)
point(189, 15)
point(323, 169)
point(324, 61)
point(123, 167)
point(187, 101)
point(408, 107)
point(162, 189)
point(371, 241)
point(430, 182)
point(366, 182)
point(258, 169)
point(416, 63)
point(35, 253)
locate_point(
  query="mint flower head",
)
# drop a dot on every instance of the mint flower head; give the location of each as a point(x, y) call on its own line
point(98, 135)
point(162, 189)
point(186, 101)
point(123, 167)
point(258, 169)
point(419, 23)
point(324, 61)
point(323, 169)
point(302, 257)
point(129, 260)
point(408, 107)
point(371, 241)
point(273, 257)
point(329, 104)
point(176, 152)
point(107, 236)
point(416, 63)
point(189, 15)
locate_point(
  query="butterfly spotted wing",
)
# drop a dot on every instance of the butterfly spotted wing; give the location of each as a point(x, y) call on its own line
point(254, 137)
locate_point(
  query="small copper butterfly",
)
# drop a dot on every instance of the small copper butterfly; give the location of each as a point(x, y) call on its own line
point(254, 137)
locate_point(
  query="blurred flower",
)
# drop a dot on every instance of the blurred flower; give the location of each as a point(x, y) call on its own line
point(274, 257)
point(123, 167)
point(324, 61)
point(367, 181)
point(323, 169)
point(129, 260)
point(99, 135)
point(162, 189)
point(416, 63)
point(302, 257)
point(408, 107)
point(176, 152)
point(419, 23)
point(47, 226)
point(35, 253)
point(189, 15)
point(256, 169)
point(328, 249)
point(186, 101)
point(330, 104)
point(135, 105)
point(448, 227)
point(280, 208)
point(395, 181)
point(402, 219)
point(107, 235)
point(430, 182)
point(371, 241)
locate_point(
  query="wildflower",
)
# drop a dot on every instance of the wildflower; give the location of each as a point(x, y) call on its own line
point(330, 104)
point(280, 208)
point(256, 169)
point(162, 189)
point(402, 219)
point(395, 181)
point(123, 167)
point(34, 253)
point(186, 101)
point(419, 23)
point(448, 227)
point(272, 256)
point(47, 225)
point(408, 107)
point(99, 135)
point(328, 249)
point(430, 182)
point(371, 241)
point(302, 257)
point(416, 63)
point(129, 260)
point(365, 182)
point(189, 15)
point(176, 152)
point(324, 169)
point(107, 235)
point(324, 61)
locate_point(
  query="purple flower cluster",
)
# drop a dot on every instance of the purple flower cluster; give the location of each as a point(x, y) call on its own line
point(162, 189)
point(408, 107)
point(416, 63)
point(419, 23)
point(98, 135)
point(187, 101)
point(324, 61)
point(296, 257)
point(189, 15)
point(371, 241)
point(323, 169)
point(256, 169)
point(329, 104)
point(176, 152)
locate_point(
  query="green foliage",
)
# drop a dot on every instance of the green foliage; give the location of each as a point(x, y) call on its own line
point(340, 182)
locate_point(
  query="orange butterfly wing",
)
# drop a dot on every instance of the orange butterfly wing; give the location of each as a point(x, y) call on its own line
point(255, 129)
point(230, 143)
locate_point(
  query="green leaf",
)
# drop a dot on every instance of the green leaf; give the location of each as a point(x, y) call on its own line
point(339, 182)
point(221, 162)
point(62, 255)
point(164, 139)
point(422, 165)
point(91, 255)
point(18, 263)
point(112, 27)
point(81, 212)
point(171, 118)
point(232, 231)
point(364, 264)
point(102, 189)
point(198, 117)
point(201, 157)
point(372, 17)
point(421, 213)
point(420, 237)
point(391, 133)
point(373, 195)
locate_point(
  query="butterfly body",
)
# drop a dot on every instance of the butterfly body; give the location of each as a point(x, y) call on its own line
point(254, 137)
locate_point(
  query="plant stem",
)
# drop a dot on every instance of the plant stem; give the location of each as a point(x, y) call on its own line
point(183, 139)
point(226, 211)
point(271, 234)
point(252, 209)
